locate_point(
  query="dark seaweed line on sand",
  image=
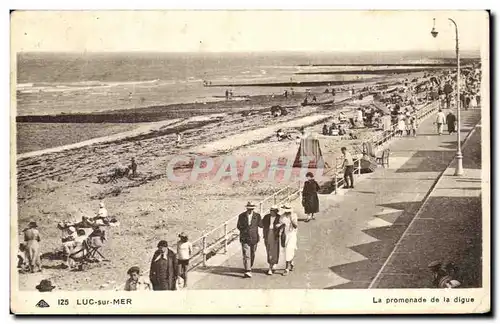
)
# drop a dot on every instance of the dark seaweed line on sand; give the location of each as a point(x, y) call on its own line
point(131, 117)
point(146, 114)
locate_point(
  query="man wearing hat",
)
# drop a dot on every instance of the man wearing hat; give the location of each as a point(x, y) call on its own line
point(248, 225)
point(443, 275)
point(32, 240)
point(45, 286)
point(271, 231)
point(163, 271)
point(136, 281)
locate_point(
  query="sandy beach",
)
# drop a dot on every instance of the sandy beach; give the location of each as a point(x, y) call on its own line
point(60, 184)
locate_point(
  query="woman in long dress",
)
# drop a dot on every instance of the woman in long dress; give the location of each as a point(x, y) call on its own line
point(401, 124)
point(271, 232)
point(289, 224)
point(310, 200)
point(473, 101)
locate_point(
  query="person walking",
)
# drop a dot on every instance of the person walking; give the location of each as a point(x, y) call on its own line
point(401, 124)
point(248, 225)
point(348, 166)
point(473, 101)
point(184, 252)
point(440, 120)
point(133, 167)
point(451, 121)
point(289, 225)
point(408, 125)
point(414, 125)
point(178, 140)
point(271, 232)
point(310, 200)
point(163, 270)
point(32, 241)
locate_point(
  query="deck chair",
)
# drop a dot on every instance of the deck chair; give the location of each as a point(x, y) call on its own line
point(78, 257)
point(94, 243)
point(88, 252)
point(383, 160)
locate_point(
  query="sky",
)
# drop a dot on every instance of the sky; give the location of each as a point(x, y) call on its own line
point(244, 31)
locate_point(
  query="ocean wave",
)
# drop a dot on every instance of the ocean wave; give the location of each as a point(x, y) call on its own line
point(77, 86)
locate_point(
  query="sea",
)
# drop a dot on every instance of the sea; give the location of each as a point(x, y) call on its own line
point(64, 83)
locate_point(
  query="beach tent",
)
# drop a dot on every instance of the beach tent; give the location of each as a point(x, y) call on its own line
point(309, 153)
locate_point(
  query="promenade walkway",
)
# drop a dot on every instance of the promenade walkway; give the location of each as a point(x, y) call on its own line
point(449, 228)
point(357, 229)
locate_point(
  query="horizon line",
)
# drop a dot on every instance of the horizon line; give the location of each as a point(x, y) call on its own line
point(247, 52)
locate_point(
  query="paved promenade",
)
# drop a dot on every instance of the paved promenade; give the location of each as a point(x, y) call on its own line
point(356, 230)
point(448, 228)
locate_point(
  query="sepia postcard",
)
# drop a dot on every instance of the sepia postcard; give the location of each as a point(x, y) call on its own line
point(250, 162)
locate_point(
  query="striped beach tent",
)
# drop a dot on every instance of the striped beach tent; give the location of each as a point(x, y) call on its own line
point(309, 154)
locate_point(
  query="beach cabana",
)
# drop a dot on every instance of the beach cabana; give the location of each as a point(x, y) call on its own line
point(309, 154)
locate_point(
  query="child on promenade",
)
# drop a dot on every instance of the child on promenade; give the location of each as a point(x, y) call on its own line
point(184, 251)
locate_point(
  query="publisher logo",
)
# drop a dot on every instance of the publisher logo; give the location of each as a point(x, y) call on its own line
point(42, 304)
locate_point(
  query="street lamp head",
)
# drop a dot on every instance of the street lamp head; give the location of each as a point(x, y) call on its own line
point(434, 33)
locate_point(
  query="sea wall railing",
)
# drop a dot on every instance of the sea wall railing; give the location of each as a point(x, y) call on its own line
point(376, 142)
point(217, 239)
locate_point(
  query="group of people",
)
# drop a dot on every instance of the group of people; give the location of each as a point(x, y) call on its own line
point(407, 124)
point(280, 225)
point(74, 242)
point(168, 269)
point(450, 120)
point(335, 129)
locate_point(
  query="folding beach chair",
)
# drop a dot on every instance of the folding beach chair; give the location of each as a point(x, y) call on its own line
point(94, 243)
point(88, 252)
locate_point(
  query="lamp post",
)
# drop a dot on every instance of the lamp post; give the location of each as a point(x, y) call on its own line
point(459, 169)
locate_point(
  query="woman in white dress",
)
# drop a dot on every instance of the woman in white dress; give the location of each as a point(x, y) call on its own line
point(401, 124)
point(289, 224)
point(473, 101)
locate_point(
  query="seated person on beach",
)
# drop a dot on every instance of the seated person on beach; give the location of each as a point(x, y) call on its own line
point(325, 130)
point(280, 134)
point(85, 223)
point(333, 128)
point(102, 215)
point(97, 237)
point(69, 234)
point(353, 124)
point(341, 130)
point(22, 260)
point(79, 248)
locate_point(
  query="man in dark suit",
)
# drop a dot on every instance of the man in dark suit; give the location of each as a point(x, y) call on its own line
point(248, 225)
